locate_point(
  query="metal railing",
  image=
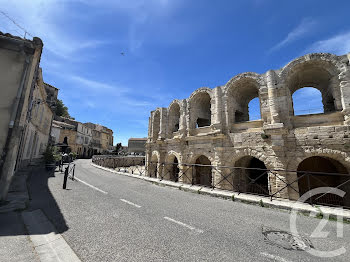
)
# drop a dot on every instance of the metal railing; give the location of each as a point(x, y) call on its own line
point(266, 182)
point(287, 184)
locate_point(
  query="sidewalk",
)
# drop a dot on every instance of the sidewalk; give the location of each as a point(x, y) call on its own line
point(284, 204)
point(28, 234)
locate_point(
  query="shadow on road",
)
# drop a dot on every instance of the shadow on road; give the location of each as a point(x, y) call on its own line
point(42, 198)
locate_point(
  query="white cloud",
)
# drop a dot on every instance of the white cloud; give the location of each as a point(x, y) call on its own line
point(87, 83)
point(46, 19)
point(305, 26)
point(338, 44)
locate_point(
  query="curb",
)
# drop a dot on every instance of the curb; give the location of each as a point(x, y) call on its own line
point(283, 204)
point(48, 244)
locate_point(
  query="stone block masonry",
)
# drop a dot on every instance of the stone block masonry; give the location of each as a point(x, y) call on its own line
point(212, 127)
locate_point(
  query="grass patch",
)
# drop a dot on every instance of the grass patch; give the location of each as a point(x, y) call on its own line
point(261, 203)
point(233, 197)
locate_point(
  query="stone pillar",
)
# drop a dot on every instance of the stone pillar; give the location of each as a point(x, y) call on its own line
point(216, 108)
point(278, 180)
point(344, 78)
point(163, 122)
point(217, 170)
point(272, 86)
point(150, 127)
point(160, 165)
point(335, 87)
point(188, 117)
point(293, 189)
point(226, 124)
point(182, 122)
point(185, 174)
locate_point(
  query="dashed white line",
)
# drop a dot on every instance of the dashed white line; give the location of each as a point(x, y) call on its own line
point(93, 187)
point(183, 224)
point(274, 257)
point(130, 203)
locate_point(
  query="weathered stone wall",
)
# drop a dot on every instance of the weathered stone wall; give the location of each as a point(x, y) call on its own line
point(280, 139)
point(118, 161)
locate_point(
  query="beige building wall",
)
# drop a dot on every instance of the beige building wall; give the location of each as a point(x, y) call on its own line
point(38, 129)
point(19, 61)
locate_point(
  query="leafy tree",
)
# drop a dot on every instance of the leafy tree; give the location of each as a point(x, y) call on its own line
point(118, 147)
point(61, 109)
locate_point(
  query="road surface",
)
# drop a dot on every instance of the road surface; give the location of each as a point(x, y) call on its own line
point(108, 217)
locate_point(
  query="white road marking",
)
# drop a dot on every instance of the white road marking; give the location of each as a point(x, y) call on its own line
point(93, 187)
point(183, 224)
point(130, 203)
point(274, 257)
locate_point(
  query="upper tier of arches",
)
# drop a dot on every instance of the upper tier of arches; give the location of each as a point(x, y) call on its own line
point(228, 105)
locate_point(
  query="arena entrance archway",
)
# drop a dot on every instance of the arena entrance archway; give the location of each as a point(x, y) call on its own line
point(202, 172)
point(321, 171)
point(153, 166)
point(251, 176)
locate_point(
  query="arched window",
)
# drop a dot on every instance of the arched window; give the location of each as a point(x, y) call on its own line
point(201, 110)
point(307, 100)
point(307, 77)
point(243, 101)
point(156, 125)
point(254, 109)
point(174, 118)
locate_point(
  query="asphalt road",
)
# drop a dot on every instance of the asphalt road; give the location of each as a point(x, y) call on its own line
point(110, 217)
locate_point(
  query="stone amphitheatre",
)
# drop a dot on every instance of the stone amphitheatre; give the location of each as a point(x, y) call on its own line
point(208, 138)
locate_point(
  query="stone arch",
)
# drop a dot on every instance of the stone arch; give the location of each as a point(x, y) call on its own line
point(200, 107)
point(154, 164)
point(293, 163)
point(251, 75)
point(156, 124)
point(319, 71)
point(251, 175)
point(174, 114)
point(271, 163)
point(239, 92)
point(338, 155)
point(202, 173)
point(172, 166)
point(322, 171)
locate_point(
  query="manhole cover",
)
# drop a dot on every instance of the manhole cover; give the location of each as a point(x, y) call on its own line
point(286, 239)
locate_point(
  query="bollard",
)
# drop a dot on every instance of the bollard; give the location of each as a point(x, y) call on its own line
point(73, 172)
point(65, 178)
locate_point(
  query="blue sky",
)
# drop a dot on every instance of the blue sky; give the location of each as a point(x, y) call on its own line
point(172, 47)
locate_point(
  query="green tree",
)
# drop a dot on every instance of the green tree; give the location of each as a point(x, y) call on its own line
point(61, 109)
point(118, 147)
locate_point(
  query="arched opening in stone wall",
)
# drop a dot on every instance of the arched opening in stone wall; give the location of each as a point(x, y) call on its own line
point(254, 109)
point(202, 172)
point(174, 118)
point(153, 166)
point(172, 169)
point(252, 176)
point(316, 75)
point(320, 171)
point(243, 101)
point(156, 125)
point(307, 100)
point(201, 110)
